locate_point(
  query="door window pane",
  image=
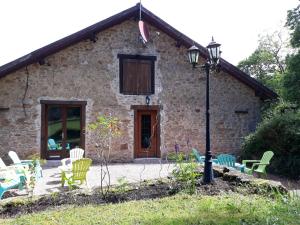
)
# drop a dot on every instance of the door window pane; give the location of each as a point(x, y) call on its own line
point(54, 128)
point(145, 131)
point(73, 128)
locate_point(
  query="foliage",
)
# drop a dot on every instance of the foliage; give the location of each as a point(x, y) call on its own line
point(179, 209)
point(267, 63)
point(273, 108)
point(104, 130)
point(185, 172)
point(36, 156)
point(71, 184)
point(105, 127)
point(31, 176)
point(291, 80)
point(122, 185)
point(281, 134)
point(31, 180)
point(276, 44)
point(173, 156)
point(259, 64)
point(274, 82)
point(293, 23)
point(280, 129)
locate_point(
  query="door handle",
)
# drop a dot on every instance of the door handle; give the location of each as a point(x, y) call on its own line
point(62, 135)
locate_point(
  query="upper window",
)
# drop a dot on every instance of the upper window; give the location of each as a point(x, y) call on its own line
point(136, 74)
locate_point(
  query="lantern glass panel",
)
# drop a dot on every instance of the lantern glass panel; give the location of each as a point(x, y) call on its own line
point(193, 54)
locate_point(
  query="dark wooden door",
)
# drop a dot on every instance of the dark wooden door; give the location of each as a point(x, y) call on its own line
point(63, 126)
point(146, 134)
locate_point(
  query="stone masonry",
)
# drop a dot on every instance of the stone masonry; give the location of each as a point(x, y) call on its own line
point(89, 71)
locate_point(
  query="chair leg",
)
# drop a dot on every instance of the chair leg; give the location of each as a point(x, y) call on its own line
point(264, 175)
point(2, 190)
point(22, 183)
point(63, 179)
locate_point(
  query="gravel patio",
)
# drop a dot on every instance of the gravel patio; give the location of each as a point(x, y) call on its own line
point(132, 172)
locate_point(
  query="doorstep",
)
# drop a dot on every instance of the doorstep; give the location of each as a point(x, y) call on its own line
point(52, 163)
point(148, 160)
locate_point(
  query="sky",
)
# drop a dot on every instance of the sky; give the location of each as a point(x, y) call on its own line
point(236, 24)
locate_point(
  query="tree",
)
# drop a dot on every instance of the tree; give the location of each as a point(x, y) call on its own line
point(103, 131)
point(267, 62)
point(276, 44)
point(259, 64)
point(279, 130)
point(293, 23)
point(291, 81)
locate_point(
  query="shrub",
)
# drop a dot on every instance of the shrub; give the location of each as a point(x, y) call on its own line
point(185, 172)
point(280, 134)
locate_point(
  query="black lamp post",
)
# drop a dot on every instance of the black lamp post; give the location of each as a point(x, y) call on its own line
point(212, 63)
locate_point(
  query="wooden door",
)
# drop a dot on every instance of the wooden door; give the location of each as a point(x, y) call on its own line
point(62, 129)
point(146, 134)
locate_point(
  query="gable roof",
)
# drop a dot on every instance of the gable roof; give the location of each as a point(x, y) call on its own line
point(39, 55)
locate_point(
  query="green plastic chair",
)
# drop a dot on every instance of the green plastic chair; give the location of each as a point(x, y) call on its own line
point(53, 146)
point(226, 160)
point(80, 168)
point(259, 166)
point(9, 179)
point(229, 161)
point(198, 157)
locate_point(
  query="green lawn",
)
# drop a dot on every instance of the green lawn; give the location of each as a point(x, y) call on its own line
point(179, 209)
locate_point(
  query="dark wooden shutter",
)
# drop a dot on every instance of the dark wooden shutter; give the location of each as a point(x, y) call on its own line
point(129, 76)
point(144, 77)
point(137, 77)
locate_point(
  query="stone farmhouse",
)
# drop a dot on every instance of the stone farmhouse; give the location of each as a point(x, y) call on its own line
point(48, 97)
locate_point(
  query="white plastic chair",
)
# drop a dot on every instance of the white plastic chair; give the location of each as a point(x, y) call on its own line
point(26, 163)
point(3, 166)
point(16, 160)
point(75, 153)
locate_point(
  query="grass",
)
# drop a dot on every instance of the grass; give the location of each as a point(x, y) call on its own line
point(179, 209)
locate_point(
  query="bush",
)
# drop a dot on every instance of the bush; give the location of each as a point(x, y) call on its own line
point(185, 172)
point(280, 134)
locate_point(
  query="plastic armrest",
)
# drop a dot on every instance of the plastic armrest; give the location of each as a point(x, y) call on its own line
point(14, 167)
point(25, 164)
point(215, 161)
point(249, 161)
point(64, 161)
point(27, 161)
point(258, 164)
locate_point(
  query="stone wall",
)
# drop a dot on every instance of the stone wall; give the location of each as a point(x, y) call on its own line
point(90, 71)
